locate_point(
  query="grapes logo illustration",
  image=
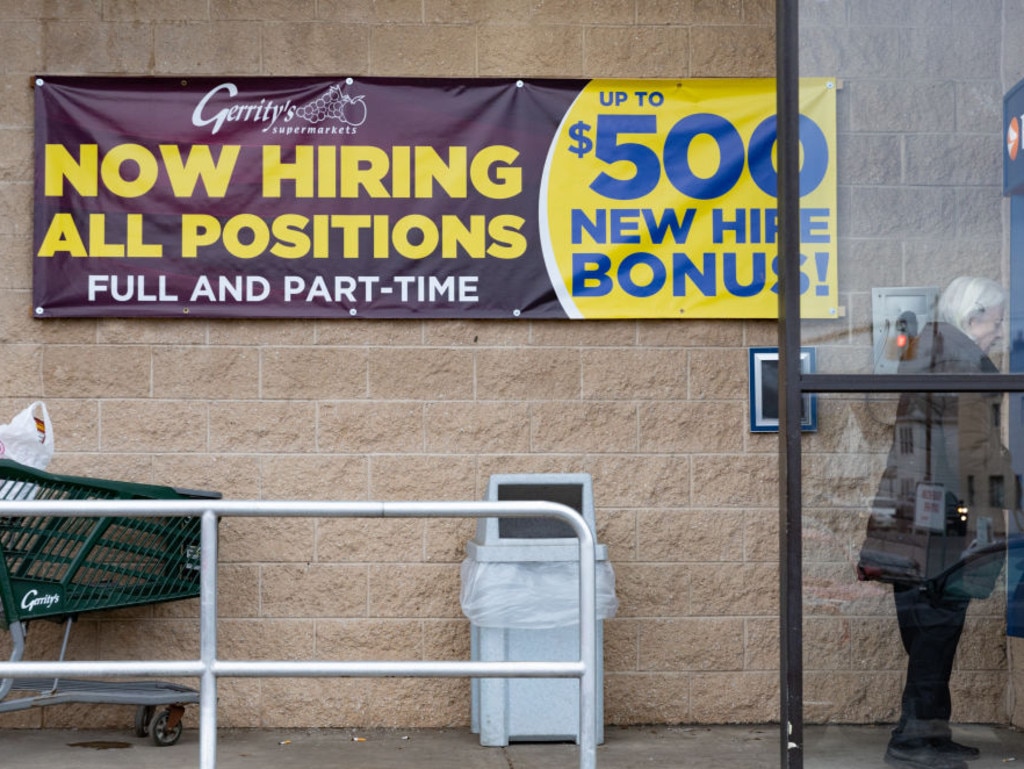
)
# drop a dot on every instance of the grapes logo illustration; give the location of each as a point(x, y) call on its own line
point(334, 105)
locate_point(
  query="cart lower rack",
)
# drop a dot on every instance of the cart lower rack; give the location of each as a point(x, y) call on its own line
point(56, 568)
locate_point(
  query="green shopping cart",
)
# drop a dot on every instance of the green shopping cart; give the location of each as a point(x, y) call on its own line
point(57, 568)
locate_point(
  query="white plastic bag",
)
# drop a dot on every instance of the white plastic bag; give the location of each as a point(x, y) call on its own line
point(28, 438)
point(535, 595)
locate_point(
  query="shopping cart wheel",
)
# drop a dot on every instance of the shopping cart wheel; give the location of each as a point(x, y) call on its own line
point(143, 715)
point(163, 735)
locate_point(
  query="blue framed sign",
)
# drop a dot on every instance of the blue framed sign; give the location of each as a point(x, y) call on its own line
point(764, 391)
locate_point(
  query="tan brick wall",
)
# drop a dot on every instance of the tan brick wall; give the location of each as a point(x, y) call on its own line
point(656, 411)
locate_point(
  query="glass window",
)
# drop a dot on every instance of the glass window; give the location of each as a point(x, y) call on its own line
point(913, 610)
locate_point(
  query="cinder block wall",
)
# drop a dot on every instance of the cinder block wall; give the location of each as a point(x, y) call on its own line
point(656, 411)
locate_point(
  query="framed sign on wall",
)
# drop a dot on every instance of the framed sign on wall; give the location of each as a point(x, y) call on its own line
point(764, 391)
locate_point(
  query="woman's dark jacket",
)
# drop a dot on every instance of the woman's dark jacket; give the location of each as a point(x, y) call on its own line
point(948, 446)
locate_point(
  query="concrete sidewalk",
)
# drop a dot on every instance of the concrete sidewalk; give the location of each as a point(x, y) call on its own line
point(700, 747)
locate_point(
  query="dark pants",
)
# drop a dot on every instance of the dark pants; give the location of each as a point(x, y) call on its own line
point(930, 629)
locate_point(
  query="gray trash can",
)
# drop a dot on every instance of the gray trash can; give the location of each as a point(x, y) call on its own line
point(520, 590)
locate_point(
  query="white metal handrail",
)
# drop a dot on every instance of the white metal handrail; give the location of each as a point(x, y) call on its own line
point(208, 668)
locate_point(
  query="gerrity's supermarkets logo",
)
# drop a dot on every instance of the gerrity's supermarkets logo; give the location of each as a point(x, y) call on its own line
point(33, 600)
point(332, 112)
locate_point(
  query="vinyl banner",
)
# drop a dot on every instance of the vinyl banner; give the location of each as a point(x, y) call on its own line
point(396, 198)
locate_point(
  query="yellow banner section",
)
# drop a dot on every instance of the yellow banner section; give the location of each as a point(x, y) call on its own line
point(659, 200)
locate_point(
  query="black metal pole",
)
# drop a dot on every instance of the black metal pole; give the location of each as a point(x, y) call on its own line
point(787, 77)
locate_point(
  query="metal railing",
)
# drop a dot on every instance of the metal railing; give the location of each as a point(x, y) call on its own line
point(208, 668)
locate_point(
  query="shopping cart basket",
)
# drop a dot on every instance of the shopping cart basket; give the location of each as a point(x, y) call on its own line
point(56, 568)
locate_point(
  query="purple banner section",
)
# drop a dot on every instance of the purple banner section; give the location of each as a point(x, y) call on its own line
point(293, 197)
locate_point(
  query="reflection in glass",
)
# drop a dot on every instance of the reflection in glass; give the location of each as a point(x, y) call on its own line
point(931, 534)
point(920, 155)
point(935, 533)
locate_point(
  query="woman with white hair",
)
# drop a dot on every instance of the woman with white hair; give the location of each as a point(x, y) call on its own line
point(946, 448)
point(977, 307)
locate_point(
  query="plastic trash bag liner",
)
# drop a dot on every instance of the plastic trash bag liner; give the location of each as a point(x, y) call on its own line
point(531, 594)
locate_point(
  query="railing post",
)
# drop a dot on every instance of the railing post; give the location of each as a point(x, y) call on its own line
point(588, 645)
point(208, 641)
